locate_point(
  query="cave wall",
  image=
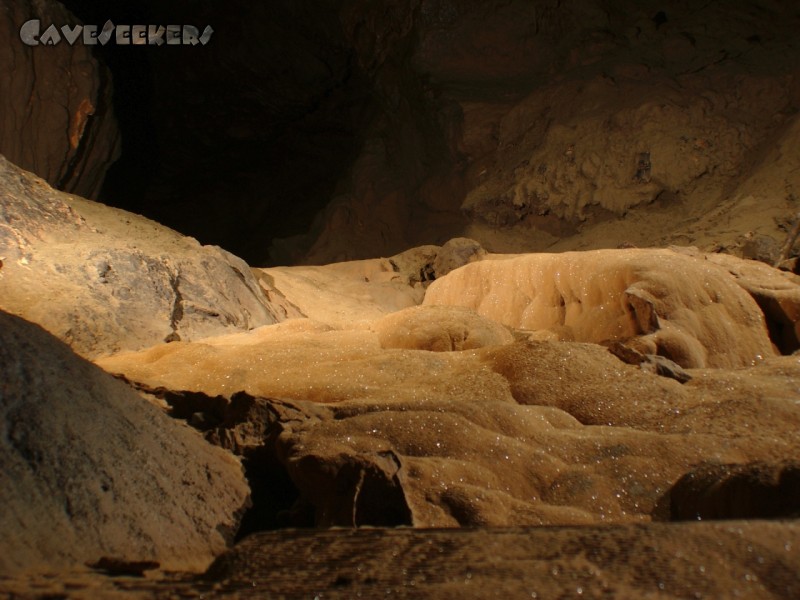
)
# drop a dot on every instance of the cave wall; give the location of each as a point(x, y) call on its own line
point(309, 132)
point(56, 118)
point(563, 126)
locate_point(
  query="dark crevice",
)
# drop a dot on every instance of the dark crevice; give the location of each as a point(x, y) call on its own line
point(177, 308)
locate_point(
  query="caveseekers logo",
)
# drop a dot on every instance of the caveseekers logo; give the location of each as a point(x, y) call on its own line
point(123, 35)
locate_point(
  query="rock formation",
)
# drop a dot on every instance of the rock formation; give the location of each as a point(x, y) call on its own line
point(477, 377)
point(103, 280)
point(56, 115)
point(91, 471)
point(532, 432)
point(671, 304)
point(571, 127)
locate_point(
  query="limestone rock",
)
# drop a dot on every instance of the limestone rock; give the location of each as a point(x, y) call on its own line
point(103, 279)
point(776, 292)
point(343, 294)
point(545, 433)
point(528, 129)
point(739, 558)
point(439, 328)
point(56, 107)
point(674, 305)
point(90, 470)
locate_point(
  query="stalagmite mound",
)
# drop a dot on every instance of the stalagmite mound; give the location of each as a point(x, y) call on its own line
point(667, 303)
point(91, 471)
point(440, 329)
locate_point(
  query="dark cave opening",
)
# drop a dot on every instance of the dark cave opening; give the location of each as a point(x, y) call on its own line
point(128, 179)
point(243, 140)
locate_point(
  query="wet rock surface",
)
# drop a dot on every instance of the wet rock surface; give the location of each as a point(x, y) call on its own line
point(672, 304)
point(530, 432)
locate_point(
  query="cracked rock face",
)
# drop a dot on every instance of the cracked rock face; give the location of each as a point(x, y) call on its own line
point(104, 280)
point(56, 118)
point(92, 471)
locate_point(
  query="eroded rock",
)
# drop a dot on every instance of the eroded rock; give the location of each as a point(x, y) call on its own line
point(439, 329)
point(533, 432)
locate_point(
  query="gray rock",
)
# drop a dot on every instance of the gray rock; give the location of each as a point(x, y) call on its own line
point(89, 470)
point(456, 253)
point(105, 280)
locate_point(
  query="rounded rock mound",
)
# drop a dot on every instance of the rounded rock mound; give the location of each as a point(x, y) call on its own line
point(439, 328)
point(93, 473)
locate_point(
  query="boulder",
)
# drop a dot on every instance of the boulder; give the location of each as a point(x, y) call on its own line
point(103, 279)
point(93, 473)
point(456, 253)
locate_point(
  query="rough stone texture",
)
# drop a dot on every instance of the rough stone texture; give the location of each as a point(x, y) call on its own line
point(570, 126)
point(456, 253)
point(103, 279)
point(700, 560)
point(91, 470)
point(56, 118)
point(353, 130)
point(674, 305)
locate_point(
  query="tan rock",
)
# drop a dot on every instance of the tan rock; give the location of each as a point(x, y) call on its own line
point(776, 292)
point(524, 433)
point(341, 294)
point(674, 305)
point(439, 328)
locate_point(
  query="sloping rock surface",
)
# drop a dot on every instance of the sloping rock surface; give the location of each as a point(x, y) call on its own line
point(776, 292)
point(103, 280)
point(90, 470)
